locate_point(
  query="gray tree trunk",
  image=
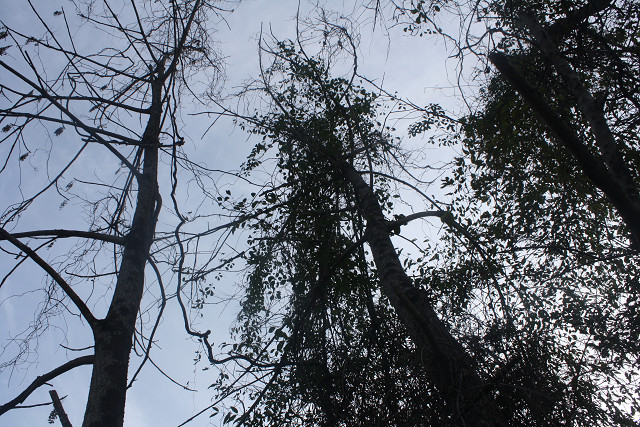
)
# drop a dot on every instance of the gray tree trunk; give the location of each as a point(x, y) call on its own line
point(114, 334)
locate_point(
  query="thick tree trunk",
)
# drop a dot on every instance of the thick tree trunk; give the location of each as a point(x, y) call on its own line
point(628, 202)
point(606, 169)
point(612, 179)
point(449, 366)
point(114, 334)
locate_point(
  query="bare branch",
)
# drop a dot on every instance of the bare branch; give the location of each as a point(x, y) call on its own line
point(78, 302)
point(70, 233)
point(57, 404)
point(43, 379)
point(77, 122)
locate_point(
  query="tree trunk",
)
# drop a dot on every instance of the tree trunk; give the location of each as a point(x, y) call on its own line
point(449, 366)
point(114, 334)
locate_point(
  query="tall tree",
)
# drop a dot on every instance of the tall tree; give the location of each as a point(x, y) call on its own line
point(309, 260)
point(587, 51)
point(121, 98)
point(548, 180)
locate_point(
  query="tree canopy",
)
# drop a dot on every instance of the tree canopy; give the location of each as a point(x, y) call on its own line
point(373, 284)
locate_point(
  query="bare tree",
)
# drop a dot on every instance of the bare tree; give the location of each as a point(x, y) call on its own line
point(118, 96)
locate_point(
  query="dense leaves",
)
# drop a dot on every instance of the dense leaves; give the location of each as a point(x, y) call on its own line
point(548, 238)
point(312, 308)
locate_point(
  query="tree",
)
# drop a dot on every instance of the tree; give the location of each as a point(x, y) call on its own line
point(311, 286)
point(551, 196)
point(594, 75)
point(606, 168)
point(122, 98)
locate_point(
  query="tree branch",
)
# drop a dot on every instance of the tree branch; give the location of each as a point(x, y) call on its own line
point(123, 139)
point(576, 17)
point(586, 103)
point(406, 219)
point(77, 122)
point(57, 404)
point(70, 233)
point(79, 303)
point(43, 379)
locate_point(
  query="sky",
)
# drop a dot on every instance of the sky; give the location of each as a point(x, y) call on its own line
point(415, 67)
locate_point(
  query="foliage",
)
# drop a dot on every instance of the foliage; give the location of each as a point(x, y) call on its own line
point(328, 348)
point(545, 235)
